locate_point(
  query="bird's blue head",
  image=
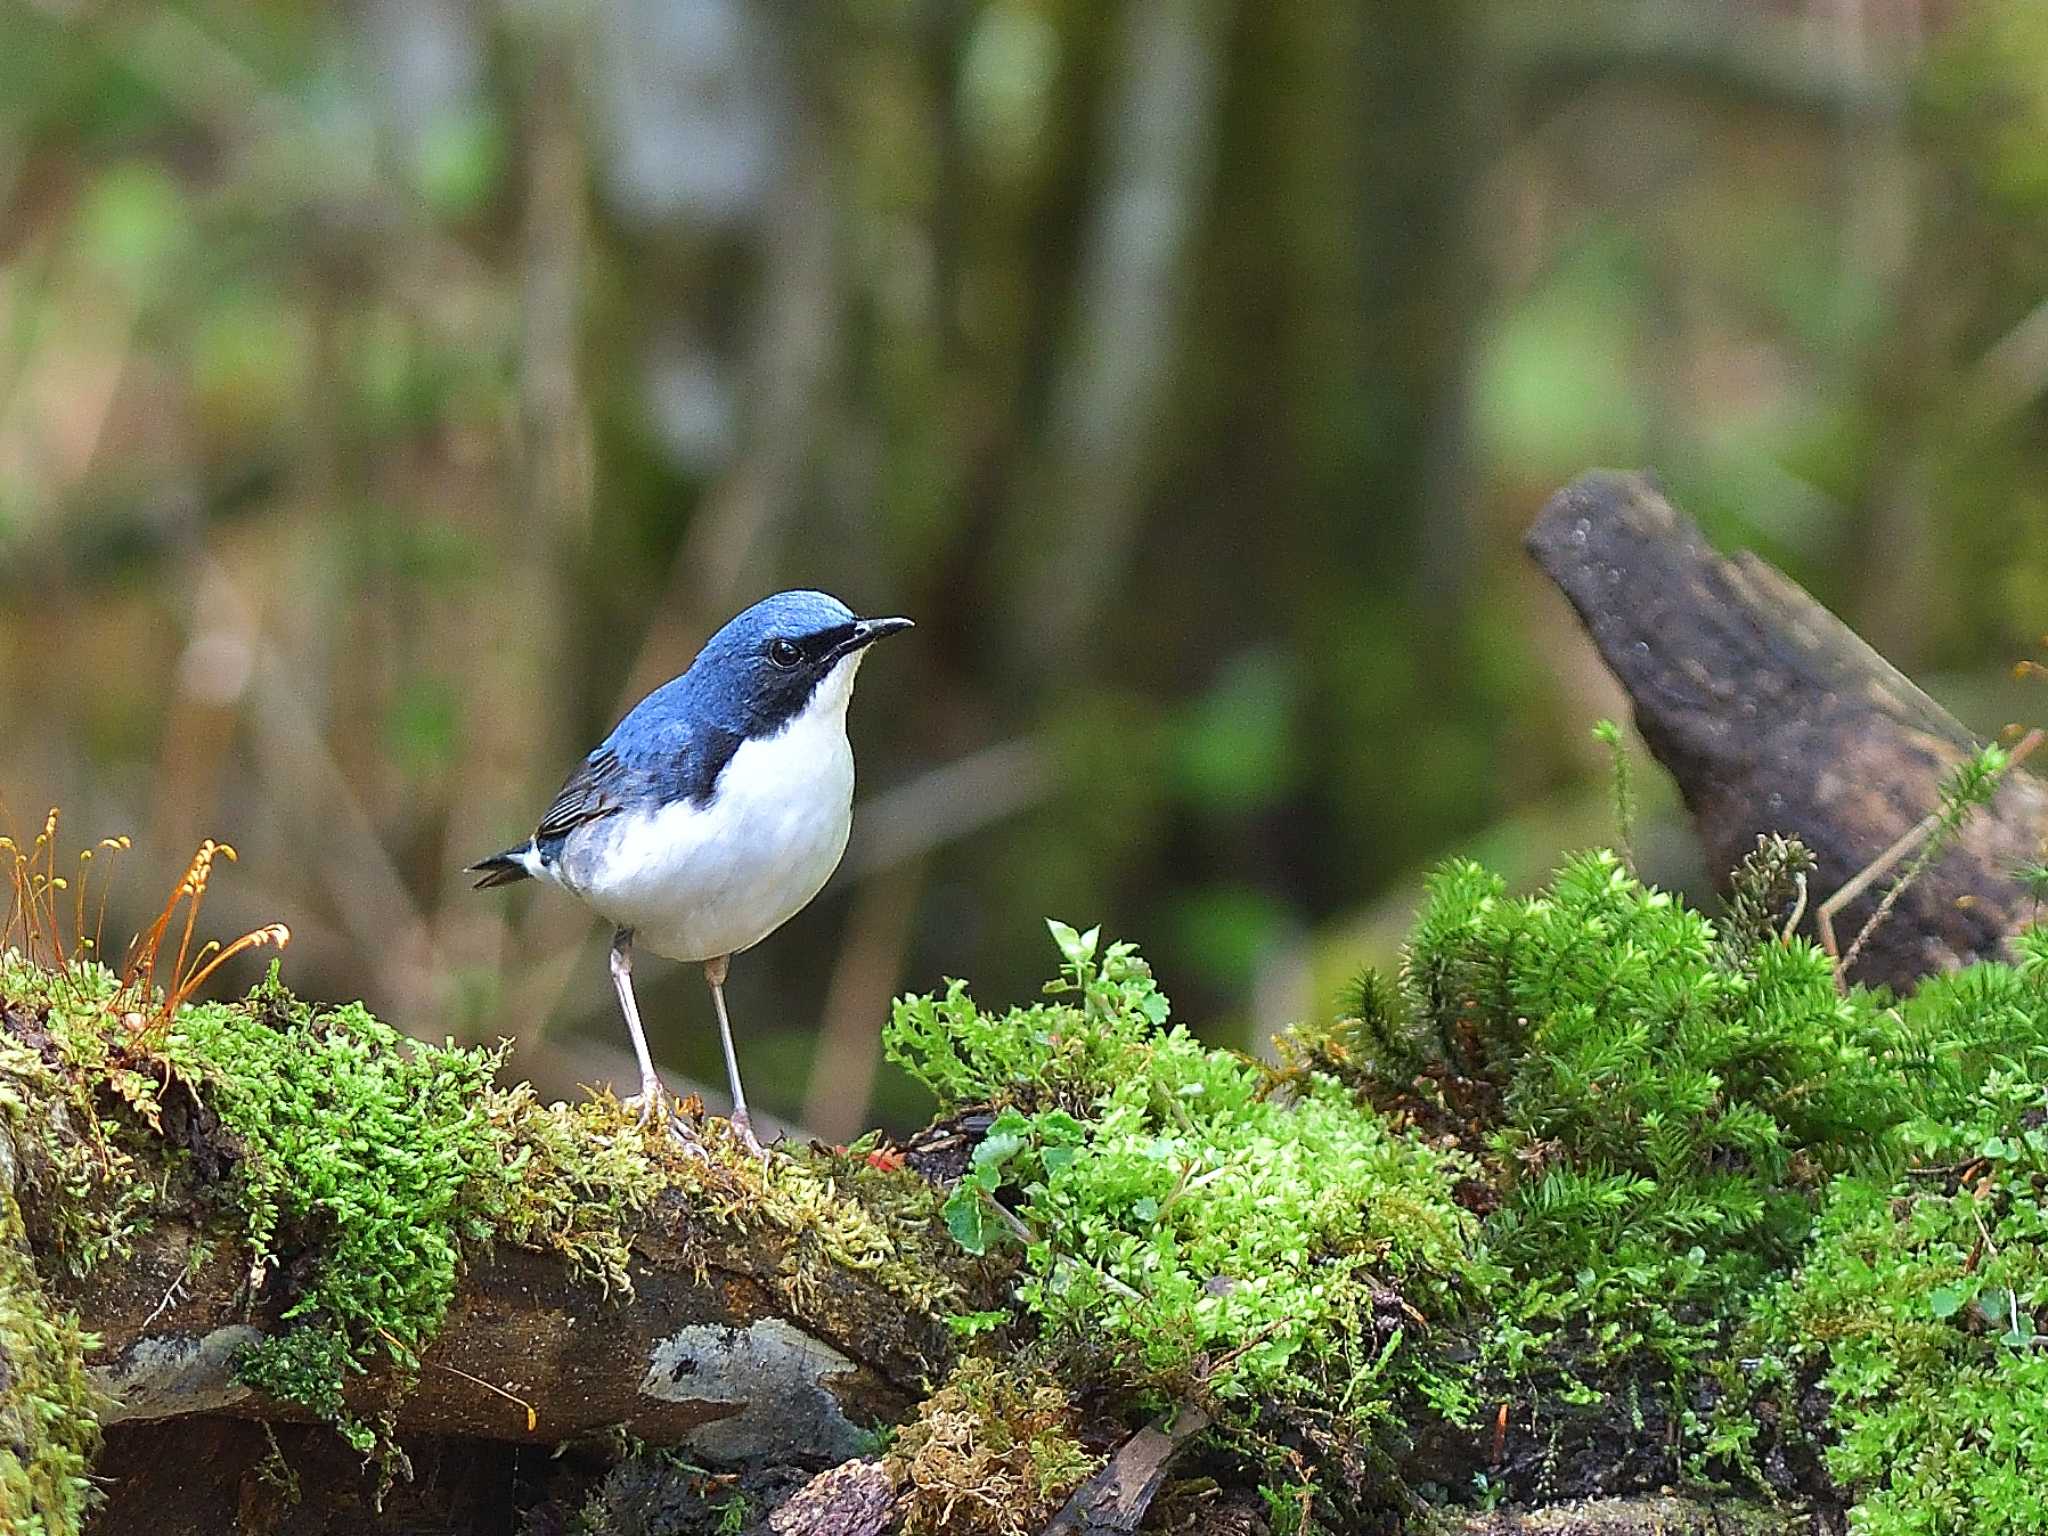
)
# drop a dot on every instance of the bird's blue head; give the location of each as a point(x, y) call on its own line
point(768, 663)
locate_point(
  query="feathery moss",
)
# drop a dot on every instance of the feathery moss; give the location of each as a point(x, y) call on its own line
point(1922, 1304)
point(993, 1452)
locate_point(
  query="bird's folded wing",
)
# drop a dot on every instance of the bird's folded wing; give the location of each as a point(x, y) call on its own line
point(596, 789)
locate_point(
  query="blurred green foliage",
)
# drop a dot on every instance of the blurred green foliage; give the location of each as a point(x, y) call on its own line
point(388, 394)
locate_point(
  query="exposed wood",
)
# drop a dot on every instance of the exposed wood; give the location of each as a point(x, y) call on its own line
point(1113, 1502)
point(1774, 717)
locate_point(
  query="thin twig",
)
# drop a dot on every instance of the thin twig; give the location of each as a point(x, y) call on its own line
point(1857, 884)
point(1024, 1235)
point(1798, 909)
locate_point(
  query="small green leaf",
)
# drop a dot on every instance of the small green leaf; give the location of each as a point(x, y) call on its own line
point(1078, 948)
point(1056, 1125)
point(996, 1149)
point(1946, 1300)
point(967, 1325)
point(967, 1218)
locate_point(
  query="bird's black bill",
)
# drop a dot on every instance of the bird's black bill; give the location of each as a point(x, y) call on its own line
point(501, 869)
point(865, 632)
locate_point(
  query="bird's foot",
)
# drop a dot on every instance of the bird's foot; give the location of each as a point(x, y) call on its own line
point(651, 1099)
point(743, 1133)
point(686, 1139)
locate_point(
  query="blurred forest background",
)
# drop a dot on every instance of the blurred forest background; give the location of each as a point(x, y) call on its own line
point(392, 391)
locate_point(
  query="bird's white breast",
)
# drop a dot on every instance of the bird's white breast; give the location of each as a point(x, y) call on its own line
point(696, 882)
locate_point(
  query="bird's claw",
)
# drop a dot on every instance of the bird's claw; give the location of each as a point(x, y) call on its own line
point(743, 1133)
point(652, 1097)
point(649, 1099)
point(684, 1135)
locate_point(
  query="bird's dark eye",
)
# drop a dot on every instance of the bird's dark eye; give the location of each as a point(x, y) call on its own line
point(785, 653)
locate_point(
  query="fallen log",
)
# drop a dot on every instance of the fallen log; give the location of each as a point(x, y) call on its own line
point(1774, 717)
point(713, 1351)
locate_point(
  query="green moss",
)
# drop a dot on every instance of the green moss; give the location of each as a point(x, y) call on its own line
point(1667, 1117)
point(54, 1146)
point(70, 1150)
point(1657, 1100)
point(1056, 1052)
point(839, 1215)
point(1679, 1116)
point(1922, 1305)
point(374, 1153)
point(1183, 1230)
point(365, 1170)
point(385, 1162)
point(49, 1431)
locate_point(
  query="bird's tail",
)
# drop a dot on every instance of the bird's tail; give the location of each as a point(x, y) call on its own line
point(503, 868)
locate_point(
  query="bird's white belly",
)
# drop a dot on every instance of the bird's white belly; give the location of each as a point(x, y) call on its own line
point(698, 882)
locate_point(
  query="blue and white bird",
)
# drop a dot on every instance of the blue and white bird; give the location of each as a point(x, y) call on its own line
point(716, 809)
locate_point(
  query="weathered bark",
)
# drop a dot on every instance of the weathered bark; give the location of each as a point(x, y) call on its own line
point(1774, 717)
point(855, 1498)
point(710, 1352)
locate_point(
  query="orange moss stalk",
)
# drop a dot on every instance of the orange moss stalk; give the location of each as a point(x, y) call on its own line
point(35, 926)
point(139, 974)
point(33, 874)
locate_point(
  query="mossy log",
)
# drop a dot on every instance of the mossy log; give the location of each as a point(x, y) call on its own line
point(740, 1344)
point(712, 1351)
point(733, 1347)
point(1774, 717)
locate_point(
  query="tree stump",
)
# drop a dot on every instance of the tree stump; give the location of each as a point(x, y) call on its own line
point(1774, 717)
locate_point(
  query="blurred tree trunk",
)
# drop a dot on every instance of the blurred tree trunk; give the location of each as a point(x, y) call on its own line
point(1111, 396)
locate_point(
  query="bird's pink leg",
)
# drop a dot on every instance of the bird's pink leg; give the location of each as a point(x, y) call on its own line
point(742, 1123)
point(650, 1096)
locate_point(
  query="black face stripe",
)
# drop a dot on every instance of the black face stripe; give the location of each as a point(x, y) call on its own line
point(829, 645)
